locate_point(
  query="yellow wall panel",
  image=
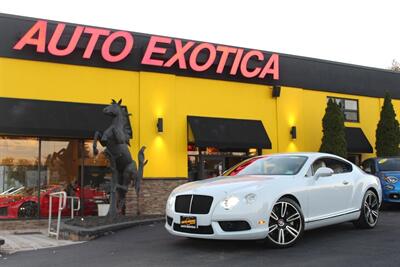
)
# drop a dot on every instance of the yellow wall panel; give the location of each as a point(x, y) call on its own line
point(149, 96)
point(213, 98)
point(70, 83)
point(157, 100)
point(289, 113)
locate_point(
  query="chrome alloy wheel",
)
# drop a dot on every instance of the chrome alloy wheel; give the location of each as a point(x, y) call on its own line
point(285, 223)
point(371, 208)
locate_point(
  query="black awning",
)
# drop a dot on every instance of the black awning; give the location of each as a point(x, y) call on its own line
point(357, 142)
point(228, 133)
point(25, 117)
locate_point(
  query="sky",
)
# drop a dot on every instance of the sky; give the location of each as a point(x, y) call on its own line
point(357, 32)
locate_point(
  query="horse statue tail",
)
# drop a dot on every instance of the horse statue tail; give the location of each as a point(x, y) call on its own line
point(142, 163)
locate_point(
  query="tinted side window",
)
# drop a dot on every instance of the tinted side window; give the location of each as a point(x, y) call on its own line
point(366, 165)
point(337, 166)
point(373, 169)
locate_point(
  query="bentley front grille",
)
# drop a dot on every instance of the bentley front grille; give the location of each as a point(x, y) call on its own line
point(193, 204)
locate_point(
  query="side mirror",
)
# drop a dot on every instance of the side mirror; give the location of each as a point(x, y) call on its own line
point(323, 172)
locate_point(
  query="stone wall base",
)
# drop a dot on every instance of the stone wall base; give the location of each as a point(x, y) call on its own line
point(9, 225)
point(153, 196)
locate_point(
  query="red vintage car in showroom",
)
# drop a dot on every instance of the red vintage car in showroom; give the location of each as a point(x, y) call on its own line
point(23, 202)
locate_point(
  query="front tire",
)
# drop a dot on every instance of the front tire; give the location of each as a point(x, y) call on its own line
point(28, 210)
point(286, 223)
point(369, 211)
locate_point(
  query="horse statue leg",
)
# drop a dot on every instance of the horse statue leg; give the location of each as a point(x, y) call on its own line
point(112, 212)
point(97, 136)
point(128, 175)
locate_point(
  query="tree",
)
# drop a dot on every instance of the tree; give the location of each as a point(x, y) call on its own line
point(395, 65)
point(387, 131)
point(334, 138)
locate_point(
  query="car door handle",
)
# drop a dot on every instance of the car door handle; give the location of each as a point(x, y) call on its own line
point(345, 182)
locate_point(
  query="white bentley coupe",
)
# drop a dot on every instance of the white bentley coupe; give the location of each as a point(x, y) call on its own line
point(276, 198)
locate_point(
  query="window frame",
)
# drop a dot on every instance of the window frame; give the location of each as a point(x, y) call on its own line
point(371, 166)
point(344, 110)
point(331, 158)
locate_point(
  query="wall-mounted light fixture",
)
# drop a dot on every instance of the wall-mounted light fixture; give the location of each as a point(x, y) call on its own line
point(293, 132)
point(160, 125)
point(276, 91)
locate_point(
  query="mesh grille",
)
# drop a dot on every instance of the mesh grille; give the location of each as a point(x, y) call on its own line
point(193, 204)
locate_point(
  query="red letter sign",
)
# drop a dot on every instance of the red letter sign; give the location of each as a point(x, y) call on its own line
point(95, 34)
point(151, 48)
point(40, 42)
point(272, 67)
point(243, 66)
point(225, 54)
point(210, 60)
point(236, 62)
point(180, 54)
point(105, 50)
point(52, 47)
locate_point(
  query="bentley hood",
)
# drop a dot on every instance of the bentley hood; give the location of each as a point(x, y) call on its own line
point(228, 184)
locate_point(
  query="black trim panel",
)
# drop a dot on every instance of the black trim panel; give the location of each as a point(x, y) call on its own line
point(334, 216)
point(230, 134)
point(295, 71)
point(357, 142)
point(25, 117)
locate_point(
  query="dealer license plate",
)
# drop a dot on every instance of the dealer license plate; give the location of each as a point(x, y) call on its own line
point(188, 222)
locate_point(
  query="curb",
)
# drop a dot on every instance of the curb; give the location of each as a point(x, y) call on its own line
point(76, 233)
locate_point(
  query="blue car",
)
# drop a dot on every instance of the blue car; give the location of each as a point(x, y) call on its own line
point(388, 171)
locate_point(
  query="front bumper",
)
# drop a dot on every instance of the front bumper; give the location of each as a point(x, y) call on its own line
point(393, 195)
point(252, 234)
point(209, 227)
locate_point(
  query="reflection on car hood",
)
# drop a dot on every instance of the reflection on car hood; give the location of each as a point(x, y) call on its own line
point(228, 184)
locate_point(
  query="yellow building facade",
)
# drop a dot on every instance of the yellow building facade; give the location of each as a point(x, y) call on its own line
point(293, 94)
point(149, 96)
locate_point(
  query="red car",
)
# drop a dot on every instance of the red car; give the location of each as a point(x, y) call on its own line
point(23, 202)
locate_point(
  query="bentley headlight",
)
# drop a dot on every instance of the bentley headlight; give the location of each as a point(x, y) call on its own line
point(171, 202)
point(250, 198)
point(390, 179)
point(229, 202)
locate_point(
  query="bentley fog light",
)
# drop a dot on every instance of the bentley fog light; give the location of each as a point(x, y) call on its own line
point(250, 198)
point(390, 179)
point(229, 202)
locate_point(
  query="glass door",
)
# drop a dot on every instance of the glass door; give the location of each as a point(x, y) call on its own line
point(212, 166)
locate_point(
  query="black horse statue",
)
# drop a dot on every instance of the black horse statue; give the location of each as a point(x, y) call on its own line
point(116, 140)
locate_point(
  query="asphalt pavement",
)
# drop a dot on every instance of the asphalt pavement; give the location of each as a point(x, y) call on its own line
point(340, 245)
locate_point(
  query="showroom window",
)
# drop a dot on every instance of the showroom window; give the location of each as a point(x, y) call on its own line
point(54, 165)
point(18, 177)
point(349, 108)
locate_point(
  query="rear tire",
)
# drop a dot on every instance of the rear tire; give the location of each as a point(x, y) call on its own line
point(369, 211)
point(286, 224)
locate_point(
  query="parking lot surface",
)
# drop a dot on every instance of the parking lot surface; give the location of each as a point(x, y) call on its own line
point(340, 245)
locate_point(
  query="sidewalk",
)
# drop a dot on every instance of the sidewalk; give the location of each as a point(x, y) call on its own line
point(29, 240)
